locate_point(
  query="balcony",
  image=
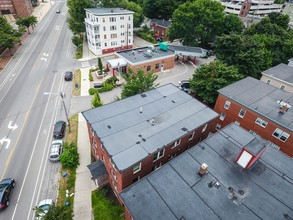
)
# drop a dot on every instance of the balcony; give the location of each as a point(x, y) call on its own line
point(91, 22)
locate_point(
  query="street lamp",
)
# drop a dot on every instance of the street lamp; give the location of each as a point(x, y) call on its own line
point(62, 95)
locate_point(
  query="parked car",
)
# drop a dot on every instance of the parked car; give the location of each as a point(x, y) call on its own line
point(58, 11)
point(56, 150)
point(59, 129)
point(185, 86)
point(6, 188)
point(68, 76)
point(43, 208)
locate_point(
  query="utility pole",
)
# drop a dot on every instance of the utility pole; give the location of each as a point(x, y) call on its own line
point(62, 94)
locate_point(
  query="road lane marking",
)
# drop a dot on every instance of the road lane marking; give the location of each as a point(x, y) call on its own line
point(24, 122)
point(12, 127)
point(7, 140)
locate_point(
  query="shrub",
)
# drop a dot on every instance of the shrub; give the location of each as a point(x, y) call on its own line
point(92, 91)
point(106, 87)
point(70, 157)
point(77, 40)
point(112, 80)
point(96, 101)
point(90, 76)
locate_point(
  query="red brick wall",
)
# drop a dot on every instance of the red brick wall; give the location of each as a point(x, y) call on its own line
point(161, 31)
point(244, 9)
point(248, 123)
point(168, 64)
point(112, 50)
point(128, 215)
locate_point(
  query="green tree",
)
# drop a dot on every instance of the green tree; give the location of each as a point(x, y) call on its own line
point(77, 14)
point(208, 78)
point(137, 83)
point(59, 212)
point(33, 20)
point(96, 101)
point(70, 157)
point(232, 24)
point(161, 9)
point(197, 23)
point(25, 23)
point(100, 65)
point(138, 15)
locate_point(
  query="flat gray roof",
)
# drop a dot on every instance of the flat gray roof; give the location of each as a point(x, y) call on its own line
point(108, 11)
point(282, 72)
point(128, 135)
point(145, 54)
point(176, 191)
point(262, 98)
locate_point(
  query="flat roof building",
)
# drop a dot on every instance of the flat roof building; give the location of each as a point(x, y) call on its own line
point(226, 191)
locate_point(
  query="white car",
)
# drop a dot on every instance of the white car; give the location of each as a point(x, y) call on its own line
point(56, 150)
point(43, 208)
point(184, 85)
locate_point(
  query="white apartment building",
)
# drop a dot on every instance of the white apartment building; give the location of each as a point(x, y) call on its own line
point(109, 29)
point(259, 8)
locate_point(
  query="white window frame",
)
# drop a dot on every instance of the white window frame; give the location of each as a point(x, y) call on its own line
point(176, 143)
point(280, 133)
point(218, 126)
point(204, 128)
point(159, 155)
point(261, 122)
point(237, 123)
point(227, 105)
point(242, 110)
point(158, 166)
point(136, 168)
point(222, 116)
point(192, 135)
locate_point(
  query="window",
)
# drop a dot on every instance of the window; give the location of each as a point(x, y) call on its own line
point(204, 128)
point(129, 26)
point(129, 18)
point(105, 44)
point(241, 113)
point(112, 19)
point(97, 20)
point(103, 19)
point(261, 122)
point(129, 41)
point(136, 168)
point(157, 166)
point(191, 136)
point(171, 156)
point(218, 127)
point(103, 158)
point(222, 116)
point(113, 35)
point(96, 28)
point(227, 105)
point(157, 66)
point(122, 41)
point(269, 81)
point(237, 123)
point(113, 174)
point(121, 18)
point(113, 28)
point(136, 179)
point(122, 26)
point(104, 28)
point(122, 34)
point(282, 87)
point(113, 43)
point(159, 155)
point(282, 135)
point(176, 143)
point(148, 68)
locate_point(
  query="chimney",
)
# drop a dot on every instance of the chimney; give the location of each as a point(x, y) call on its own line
point(203, 169)
point(251, 152)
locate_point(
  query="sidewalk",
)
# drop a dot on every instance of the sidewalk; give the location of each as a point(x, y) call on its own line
point(83, 183)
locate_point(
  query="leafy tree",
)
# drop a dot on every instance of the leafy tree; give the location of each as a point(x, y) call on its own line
point(77, 14)
point(33, 20)
point(211, 77)
point(232, 24)
point(77, 40)
point(197, 23)
point(138, 15)
point(161, 9)
point(137, 83)
point(100, 65)
point(96, 101)
point(70, 157)
point(10, 41)
point(24, 22)
point(59, 212)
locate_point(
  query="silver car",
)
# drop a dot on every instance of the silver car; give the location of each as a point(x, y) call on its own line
point(56, 150)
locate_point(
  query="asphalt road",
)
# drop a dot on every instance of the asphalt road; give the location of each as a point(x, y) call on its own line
point(30, 104)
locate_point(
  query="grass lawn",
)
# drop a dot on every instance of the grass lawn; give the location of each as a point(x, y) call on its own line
point(105, 208)
point(68, 182)
point(76, 79)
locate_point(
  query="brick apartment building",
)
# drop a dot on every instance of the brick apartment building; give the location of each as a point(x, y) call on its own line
point(260, 108)
point(21, 8)
point(182, 189)
point(280, 76)
point(109, 29)
point(137, 135)
point(160, 27)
